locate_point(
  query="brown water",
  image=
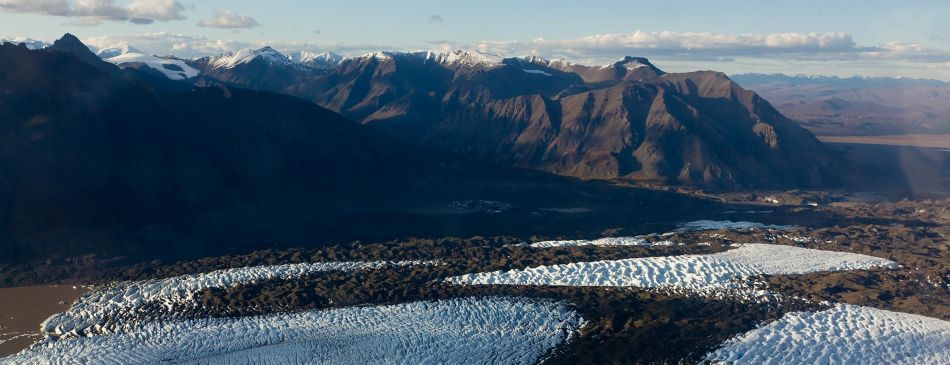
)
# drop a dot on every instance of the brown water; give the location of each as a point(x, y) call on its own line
point(22, 310)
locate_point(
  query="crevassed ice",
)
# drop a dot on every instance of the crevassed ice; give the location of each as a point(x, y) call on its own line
point(844, 334)
point(95, 309)
point(455, 331)
point(694, 272)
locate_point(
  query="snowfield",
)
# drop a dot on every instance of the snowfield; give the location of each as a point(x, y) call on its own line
point(172, 68)
point(455, 331)
point(96, 311)
point(698, 273)
point(844, 334)
point(702, 225)
point(606, 241)
point(708, 225)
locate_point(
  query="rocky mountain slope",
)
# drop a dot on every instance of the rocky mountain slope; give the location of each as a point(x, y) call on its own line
point(628, 119)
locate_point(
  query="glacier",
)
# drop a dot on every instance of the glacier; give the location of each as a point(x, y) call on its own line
point(843, 334)
point(488, 330)
point(98, 311)
point(704, 274)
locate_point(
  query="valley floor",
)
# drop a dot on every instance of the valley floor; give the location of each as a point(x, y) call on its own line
point(679, 295)
point(940, 141)
point(23, 308)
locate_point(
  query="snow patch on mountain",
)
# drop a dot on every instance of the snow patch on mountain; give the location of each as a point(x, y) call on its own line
point(606, 241)
point(844, 334)
point(703, 274)
point(466, 58)
point(536, 72)
point(455, 331)
point(710, 225)
point(100, 310)
point(107, 53)
point(700, 225)
point(172, 68)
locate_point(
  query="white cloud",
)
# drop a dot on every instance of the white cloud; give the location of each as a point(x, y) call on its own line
point(163, 43)
point(228, 19)
point(92, 12)
point(161, 10)
point(436, 19)
point(49, 7)
point(679, 44)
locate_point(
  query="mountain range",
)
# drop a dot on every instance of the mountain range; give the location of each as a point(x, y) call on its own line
point(131, 163)
point(628, 119)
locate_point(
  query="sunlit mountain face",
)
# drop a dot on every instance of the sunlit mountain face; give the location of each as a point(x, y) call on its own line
point(237, 182)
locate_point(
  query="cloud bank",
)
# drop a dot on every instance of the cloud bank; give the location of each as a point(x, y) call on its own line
point(710, 46)
point(92, 12)
point(229, 20)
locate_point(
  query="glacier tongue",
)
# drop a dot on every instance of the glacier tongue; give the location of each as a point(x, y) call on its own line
point(705, 274)
point(844, 334)
point(454, 331)
point(102, 310)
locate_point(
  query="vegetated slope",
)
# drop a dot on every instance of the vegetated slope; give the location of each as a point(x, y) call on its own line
point(628, 119)
point(94, 159)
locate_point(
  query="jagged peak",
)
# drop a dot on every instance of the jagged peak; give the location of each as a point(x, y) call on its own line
point(69, 42)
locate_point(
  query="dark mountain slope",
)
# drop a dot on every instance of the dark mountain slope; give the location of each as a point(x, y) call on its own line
point(89, 159)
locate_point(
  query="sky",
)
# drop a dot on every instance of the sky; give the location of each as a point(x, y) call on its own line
point(843, 38)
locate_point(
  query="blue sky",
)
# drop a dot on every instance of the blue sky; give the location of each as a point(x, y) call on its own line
point(875, 38)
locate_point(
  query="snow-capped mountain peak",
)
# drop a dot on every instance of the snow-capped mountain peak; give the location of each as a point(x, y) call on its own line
point(232, 59)
point(107, 53)
point(325, 60)
point(631, 63)
point(468, 58)
point(457, 58)
point(29, 42)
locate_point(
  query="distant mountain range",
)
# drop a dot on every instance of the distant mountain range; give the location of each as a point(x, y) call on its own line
point(628, 119)
point(857, 105)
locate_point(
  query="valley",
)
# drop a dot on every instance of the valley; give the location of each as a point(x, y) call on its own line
point(259, 206)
